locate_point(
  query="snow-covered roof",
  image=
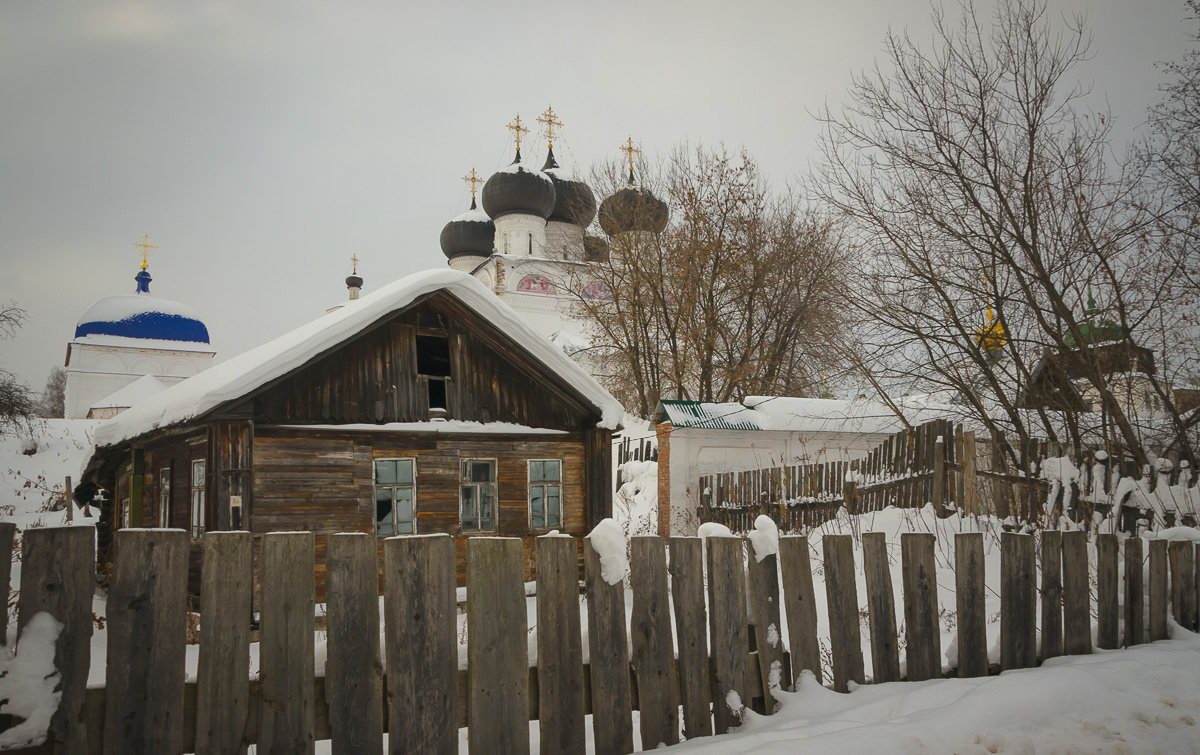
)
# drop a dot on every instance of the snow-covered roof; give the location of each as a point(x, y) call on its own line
point(139, 390)
point(474, 215)
point(142, 316)
point(789, 414)
point(246, 372)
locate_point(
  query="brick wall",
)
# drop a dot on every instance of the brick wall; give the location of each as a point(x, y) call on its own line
point(664, 478)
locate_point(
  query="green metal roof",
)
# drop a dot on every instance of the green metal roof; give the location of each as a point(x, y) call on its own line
point(704, 414)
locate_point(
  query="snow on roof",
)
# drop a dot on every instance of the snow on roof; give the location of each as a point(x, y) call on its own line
point(790, 414)
point(475, 216)
point(140, 389)
point(101, 339)
point(244, 373)
point(521, 167)
point(436, 426)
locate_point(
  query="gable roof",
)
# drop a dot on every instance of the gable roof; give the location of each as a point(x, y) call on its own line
point(792, 414)
point(234, 378)
point(139, 390)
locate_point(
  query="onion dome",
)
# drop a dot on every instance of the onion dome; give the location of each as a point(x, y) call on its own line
point(633, 209)
point(354, 281)
point(573, 200)
point(140, 315)
point(517, 189)
point(595, 249)
point(471, 233)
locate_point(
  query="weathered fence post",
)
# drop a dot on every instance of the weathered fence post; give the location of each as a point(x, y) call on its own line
point(147, 628)
point(1107, 602)
point(612, 696)
point(285, 716)
point(691, 632)
point(1158, 590)
point(58, 576)
point(800, 606)
point(7, 530)
point(559, 646)
point(938, 489)
point(923, 649)
point(970, 605)
point(1018, 647)
point(727, 627)
point(420, 626)
point(353, 672)
point(881, 609)
point(1077, 632)
point(1183, 584)
point(223, 670)
point(497, 654)
point(1052, 594)
point(768, 629)
point(842, 596)
point(653, 649)
point(970, 475)
point(1135, 606)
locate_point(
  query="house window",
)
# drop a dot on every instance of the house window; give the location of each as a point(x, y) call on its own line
point(477, 495)
point(545, 493)
point(433, 361)
point(197, 510)
point(395, 497)
point(124, 513)
point(164, 497)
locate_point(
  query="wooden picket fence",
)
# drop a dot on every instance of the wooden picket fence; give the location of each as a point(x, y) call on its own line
point(421, 698)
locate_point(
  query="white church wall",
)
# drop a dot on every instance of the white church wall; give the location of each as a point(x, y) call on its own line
point(564, 241)
point(95, 372)
point(520, 235)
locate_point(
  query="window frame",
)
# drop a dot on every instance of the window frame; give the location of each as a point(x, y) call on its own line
point(197, 499)
point(164, 497)
point(375, 486)
point(543, 484)
point(463, 485)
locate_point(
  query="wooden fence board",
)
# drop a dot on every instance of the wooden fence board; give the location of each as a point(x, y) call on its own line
point(842, 597)
point(881, 609)
point(612, 698)
point(147, 628)
point(1135, 596)
point(560, 647)
point(1158, 590)
point(1052, 594)
point(768, 630)
point(285, 715)
point(353, 671)
point(923, 649)
point(727, 628)
point(653, 648)
point(7, 530)
point(1107, 601)
point(1183, 584)
point(497, 655)
point(1077, 632)
point(970, 604)
point(691, 632)
point(223, 668)
point(1018, 647)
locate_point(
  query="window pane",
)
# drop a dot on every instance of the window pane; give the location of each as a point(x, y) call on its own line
point(404, 471)
point(535, 471)
point(481, 471)
point(383, 511)
point(468, 503)
point(385, 472)
point(197, 474)
point(553, 507)
point(552, 471)
point(404, 509)
point(537, 514)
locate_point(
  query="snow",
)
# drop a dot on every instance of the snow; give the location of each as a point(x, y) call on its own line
point(28, 682)
point(520, 167)
point(1061, 472)
point(472, 216)
point(438, 426)
point(713, 529)
point(805, 415)
point(635, 505)
point(140, 389)
point(764, 537)
point(608, 540)
point(244, 373)
point(126, 306)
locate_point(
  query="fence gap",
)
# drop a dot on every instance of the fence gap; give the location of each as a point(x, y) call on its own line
point(223, 668)
point(727, 627)
point(969, 602)
point(1018, 647)
point(559, 647)
point(881, 609)
point(353, 672)
point(1158, 590)
point(923, 650)
point(653, 649)
point(612, 699)
point(1107, 602)
point(285, 716)
point(1052, 594)
point(1077, 631)
point(691, 632)
point(842, 596)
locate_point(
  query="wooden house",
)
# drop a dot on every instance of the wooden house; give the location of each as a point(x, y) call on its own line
point(428, 406)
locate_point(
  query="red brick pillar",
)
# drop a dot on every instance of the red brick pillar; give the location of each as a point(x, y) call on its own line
point(664, 478)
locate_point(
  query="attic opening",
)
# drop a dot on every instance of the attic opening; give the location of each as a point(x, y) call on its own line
point(433, 363)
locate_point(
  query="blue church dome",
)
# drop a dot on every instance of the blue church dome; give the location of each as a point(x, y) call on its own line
point(142, 316)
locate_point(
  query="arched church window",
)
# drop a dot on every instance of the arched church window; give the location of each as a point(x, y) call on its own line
point(536, 284)
point(596, 290)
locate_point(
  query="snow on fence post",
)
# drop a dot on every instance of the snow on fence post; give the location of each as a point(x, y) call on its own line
point(691, 631)
point(285, 713)
point(559, 647)
point(353, 673)
point(653, 650)
point(923, 649)
point(727, 628)
point(7, 530)
point(1158, 590)
point(223, 670)
point(1183, 583)
point(800, 606)
point(768, 629)
point(881, 609)
point(1135, 606)
point(420, 617)
point(842, 596)
point(1052, 594)
point(147, 628)
point(1108, 634)
point(1077, 615)
point(497, 654)
point(1018, 647)
point(970, 605)
point(612, 696)
point(58, 567)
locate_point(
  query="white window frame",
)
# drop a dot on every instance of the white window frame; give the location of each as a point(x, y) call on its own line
point(464, 485)
point(375, 487)
point(164, 497)
point(543, 484)
point(197, 506)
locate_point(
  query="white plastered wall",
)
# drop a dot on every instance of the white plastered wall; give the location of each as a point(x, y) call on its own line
point(95, 372)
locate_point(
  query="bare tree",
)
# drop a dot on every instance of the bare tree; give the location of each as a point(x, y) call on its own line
point(54, 396)
point(15, 400)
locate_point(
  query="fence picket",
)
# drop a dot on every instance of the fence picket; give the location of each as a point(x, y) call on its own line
point(969, 602)
point(800, 606)
point(842, 597)
point(353, 672)
point(285, 715)
point(560, 647)
point(1135, 606)
point(1052, 594)
point(881, 609)
point(612, 706)
point(653, 650)
point(1077, 632)
point(1017, 613)
point(1183, 584)
point(727, 628)
point(1158, 590)
point(223, 668)
point(768, 630)
point(923, 647)
point(1107, 603)
point(691, 632)
point(7, 530)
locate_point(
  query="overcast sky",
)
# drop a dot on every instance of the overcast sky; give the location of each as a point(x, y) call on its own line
point(261, 144)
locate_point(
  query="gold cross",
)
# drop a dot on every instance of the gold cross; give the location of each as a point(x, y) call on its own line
point(473, 179)
point(517, 129)
point(549, 122)
point(145, 246)
point(630, 151)
point(354, 259)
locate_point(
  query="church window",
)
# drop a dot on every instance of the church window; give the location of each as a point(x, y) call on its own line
point(395, 497)
point(197, 520)
point(536, 284)
point(164, 497)
point(545, 493)
point(477, 495)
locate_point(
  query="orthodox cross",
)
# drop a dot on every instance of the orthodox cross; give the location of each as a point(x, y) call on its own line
point(145, 246)
point(549, 122)
point(630, 151)
point(473, 179)
point(354, 261)
point(517, 129)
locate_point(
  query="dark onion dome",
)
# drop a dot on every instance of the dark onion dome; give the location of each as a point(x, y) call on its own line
point(354, 281)
point(140, 315)
point(574, 201)
point(517, 189)
point(471, 233)
point(595, 249)
point(633, 209)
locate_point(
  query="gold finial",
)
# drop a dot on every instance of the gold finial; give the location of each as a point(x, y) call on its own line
point(354, 261)
point(549, 122)
point(517, 129)
point(630, 151)
point(473, 179)
point(145, 246)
